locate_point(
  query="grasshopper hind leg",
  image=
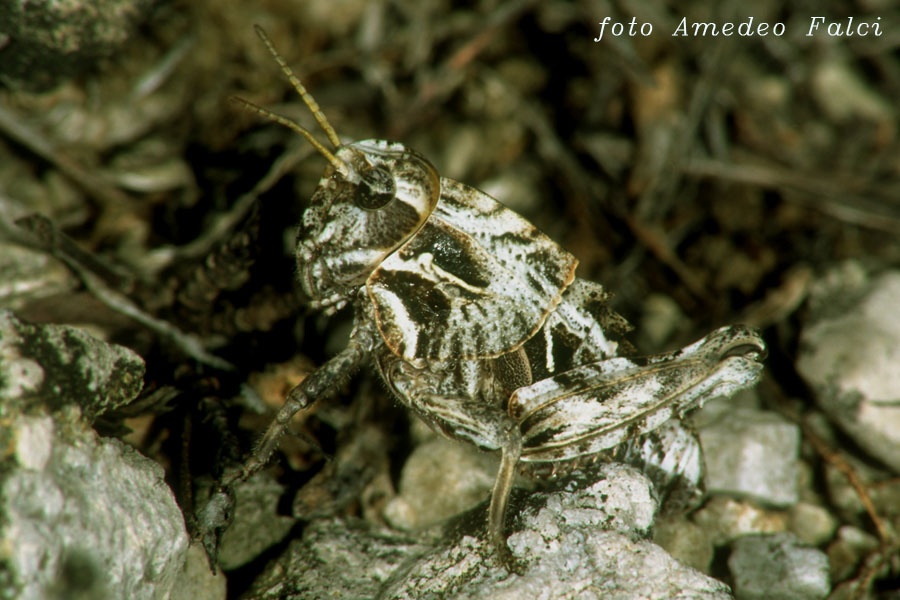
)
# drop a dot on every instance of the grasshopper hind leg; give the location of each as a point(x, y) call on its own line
point(509, 460)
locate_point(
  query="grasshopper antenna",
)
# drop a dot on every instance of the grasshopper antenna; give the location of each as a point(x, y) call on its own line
point(340, 166)
point(307, 97)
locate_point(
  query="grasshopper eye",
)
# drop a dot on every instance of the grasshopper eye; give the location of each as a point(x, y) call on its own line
point(375, 189)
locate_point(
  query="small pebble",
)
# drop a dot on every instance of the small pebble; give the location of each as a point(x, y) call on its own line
point(441, 478)
point(727, 519)
point(686, 541)
point(752, 453)
point(813, 524)
point(778, 567)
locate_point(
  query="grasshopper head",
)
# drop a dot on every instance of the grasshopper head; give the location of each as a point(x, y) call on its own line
point(363, 209)
point(373, 197)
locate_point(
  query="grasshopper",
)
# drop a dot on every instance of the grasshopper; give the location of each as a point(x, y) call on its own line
point(476, 322)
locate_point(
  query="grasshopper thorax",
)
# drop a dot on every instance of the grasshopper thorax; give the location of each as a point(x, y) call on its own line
point(361, 213)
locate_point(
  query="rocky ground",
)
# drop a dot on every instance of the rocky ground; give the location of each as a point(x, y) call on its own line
point(150, 322)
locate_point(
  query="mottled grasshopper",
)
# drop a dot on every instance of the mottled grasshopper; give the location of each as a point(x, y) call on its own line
point(476, 321)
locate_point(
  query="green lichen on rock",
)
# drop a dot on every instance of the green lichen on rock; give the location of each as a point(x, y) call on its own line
point(58, 365)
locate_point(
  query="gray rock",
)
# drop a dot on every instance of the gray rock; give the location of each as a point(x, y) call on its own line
point(812, 523)
point(359, 472)
point(752, 453)
point(196, 581)
point(778, 567)
point(440, 479)
point(84, 515)
point(686, 541)
point(335, 559)
point(81, 516)
point(726, 519)
point(54, 365)
point(257, 524)
point(585, 539)
point(587, 565)
point(850, 357)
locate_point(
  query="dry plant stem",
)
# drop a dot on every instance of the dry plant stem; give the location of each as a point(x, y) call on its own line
point(837, 461)
point(892, 481)
point(55, 242)
point(186, 342)
point(226, 222)
point(833, 458)
point(112, 199)
point(152, 79)
point(656, 242)
point(503, 15)
point(186, 487)
point(444, 80)
point(118, 302)
point(657, 198)
point(874, 563)
point(869, 209)
point(226, 268)
point(780, 302)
